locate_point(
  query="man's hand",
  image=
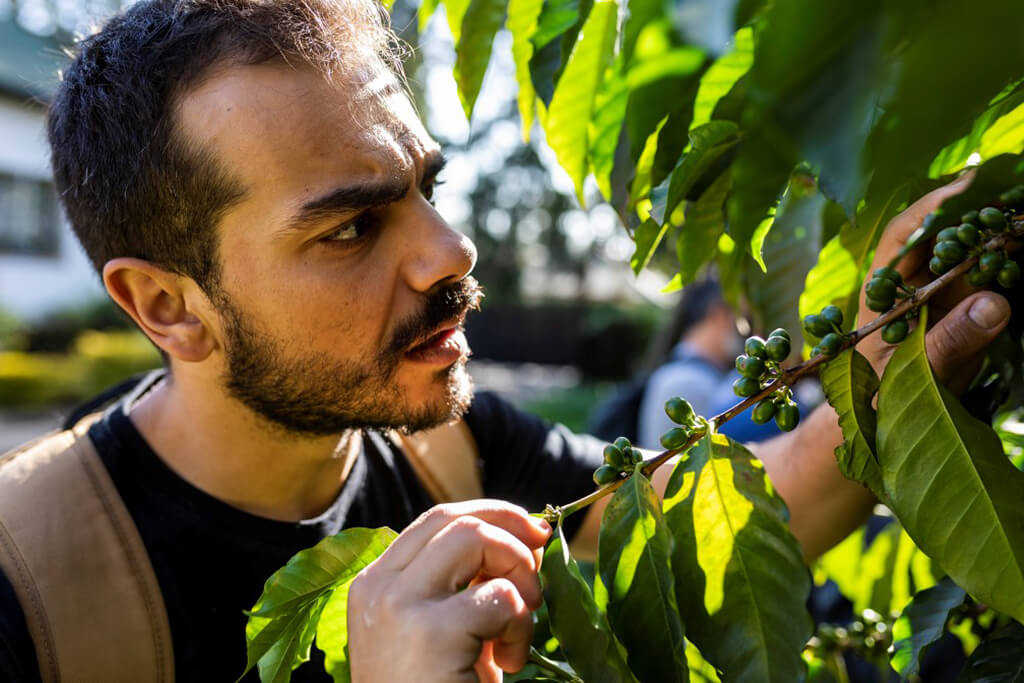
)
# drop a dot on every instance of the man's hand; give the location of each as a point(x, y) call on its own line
point(964, 320)
point(451, 599)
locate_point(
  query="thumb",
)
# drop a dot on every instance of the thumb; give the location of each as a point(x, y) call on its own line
point(956, 342)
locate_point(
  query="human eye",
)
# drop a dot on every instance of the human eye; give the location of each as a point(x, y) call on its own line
point(351, 232)
point(428, 189)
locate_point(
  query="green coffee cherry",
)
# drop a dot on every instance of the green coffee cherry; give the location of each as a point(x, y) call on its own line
point(674, 438)
point(978, 277)
point(816, 326)
point(749, 366)
point(896, 331)
point(878, 305)
point(1009, 275)
point(833, 314)
point(881, 289)
point(779, 332)
point(971, 217)
point(679, 410)
point(950, 251)
point(755, 347)
point(991, 261)
point(623, 444)
point(968, 235)
point(746, 386)
point(763, 411)
point(889, 273)
point(992, 218)
point(605, 474)
point(777, 348)
point(787, 416)
point(614, 457)
point(635, 455)
point(1014, 197)
point(830, 344)
point(938, 266)
point(946, 234)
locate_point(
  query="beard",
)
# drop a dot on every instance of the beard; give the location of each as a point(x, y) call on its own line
point(315, 394)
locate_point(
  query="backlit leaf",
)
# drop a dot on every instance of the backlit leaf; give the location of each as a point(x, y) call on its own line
point(703, 225)
point(948, 481)
point(633, 565)
point(522, 24)
point(740, 576)
point(922, 623)
point(850, 383)
point(481, 22)
point(722, 75)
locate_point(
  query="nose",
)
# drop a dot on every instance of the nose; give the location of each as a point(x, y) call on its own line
point(435, 253)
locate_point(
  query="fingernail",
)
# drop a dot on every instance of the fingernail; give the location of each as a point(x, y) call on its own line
point(986, 313)
point(541, 524)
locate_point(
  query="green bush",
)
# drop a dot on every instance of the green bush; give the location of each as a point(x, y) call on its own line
point(98, 360)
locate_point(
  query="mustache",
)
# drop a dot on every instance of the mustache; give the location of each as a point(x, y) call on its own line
point(441, 306)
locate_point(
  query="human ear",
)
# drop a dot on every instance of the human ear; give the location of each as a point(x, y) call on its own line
point(164, 305)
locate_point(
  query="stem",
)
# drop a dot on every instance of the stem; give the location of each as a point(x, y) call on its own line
point(550, 667)
point(789, 376)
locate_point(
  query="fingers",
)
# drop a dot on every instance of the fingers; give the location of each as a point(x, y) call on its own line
point(955, 341)
point(531, 531)
point(494, 613)
point(465, 548)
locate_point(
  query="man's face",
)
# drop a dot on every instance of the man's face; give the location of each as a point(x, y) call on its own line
point(342, 290)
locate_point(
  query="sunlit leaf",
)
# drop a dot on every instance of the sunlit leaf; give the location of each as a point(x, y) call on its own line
point(633, 565)
point(922, 623)
point(850, 384)
point(522, 23)
point(722, 75)
point(708, 144)
point(573, 101)
point(740, 576)
point(955, 155)
point(481, 22)
point(926, 440)
point(580, 626)
point(604, 131)
point(283, 622)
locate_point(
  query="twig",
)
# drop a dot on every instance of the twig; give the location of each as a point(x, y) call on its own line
point(789, 376)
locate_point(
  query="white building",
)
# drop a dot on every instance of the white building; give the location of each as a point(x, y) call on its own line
point(42, 268)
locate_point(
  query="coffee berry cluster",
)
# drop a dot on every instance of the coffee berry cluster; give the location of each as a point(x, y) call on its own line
point(956, 243)
point(619, 458)
point(758, 367)
point(881, 292)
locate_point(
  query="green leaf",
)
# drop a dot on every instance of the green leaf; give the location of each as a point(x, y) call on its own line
point(605, 130)
point(923, 622)
point(647, 237)
point(997, 659)
point(282, 623)
point(522, 24)
point(739, 572)
point(722, 75)
point(1005, 136)
point(481, 22)
point(844, 260)
point(455, 10)
point(850, 384)
point(425, 12)
point(788, 250)
point(919, 34)
point(633, 565)
point(703, 224)
point(926, 439)
point(708, 145)
point(558, 28)
point(332, 634)
point(573, 101)
point(954, 156)
point(580, 626)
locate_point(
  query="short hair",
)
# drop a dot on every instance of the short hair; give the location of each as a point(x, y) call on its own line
point(131, 184)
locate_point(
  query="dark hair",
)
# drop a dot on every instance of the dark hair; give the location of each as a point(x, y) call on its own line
point(131, 184)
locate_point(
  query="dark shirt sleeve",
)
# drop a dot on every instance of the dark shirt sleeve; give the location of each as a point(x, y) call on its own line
point(530, 462)
point(17, 653)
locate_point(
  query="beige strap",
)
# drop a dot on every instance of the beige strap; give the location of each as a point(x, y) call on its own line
point(446, 460)
point(78, 566)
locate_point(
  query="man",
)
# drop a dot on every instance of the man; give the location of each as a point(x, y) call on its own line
point(255, 188)
point(699, 364)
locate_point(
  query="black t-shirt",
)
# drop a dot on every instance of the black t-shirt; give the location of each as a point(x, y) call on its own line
point(211, 559)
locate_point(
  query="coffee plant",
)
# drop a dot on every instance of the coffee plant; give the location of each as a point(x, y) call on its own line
point(773, 141)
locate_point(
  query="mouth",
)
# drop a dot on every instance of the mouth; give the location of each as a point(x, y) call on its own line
point(446, 346)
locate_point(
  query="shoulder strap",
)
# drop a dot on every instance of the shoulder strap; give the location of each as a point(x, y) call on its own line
point(446, 460)
point(78, 565)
